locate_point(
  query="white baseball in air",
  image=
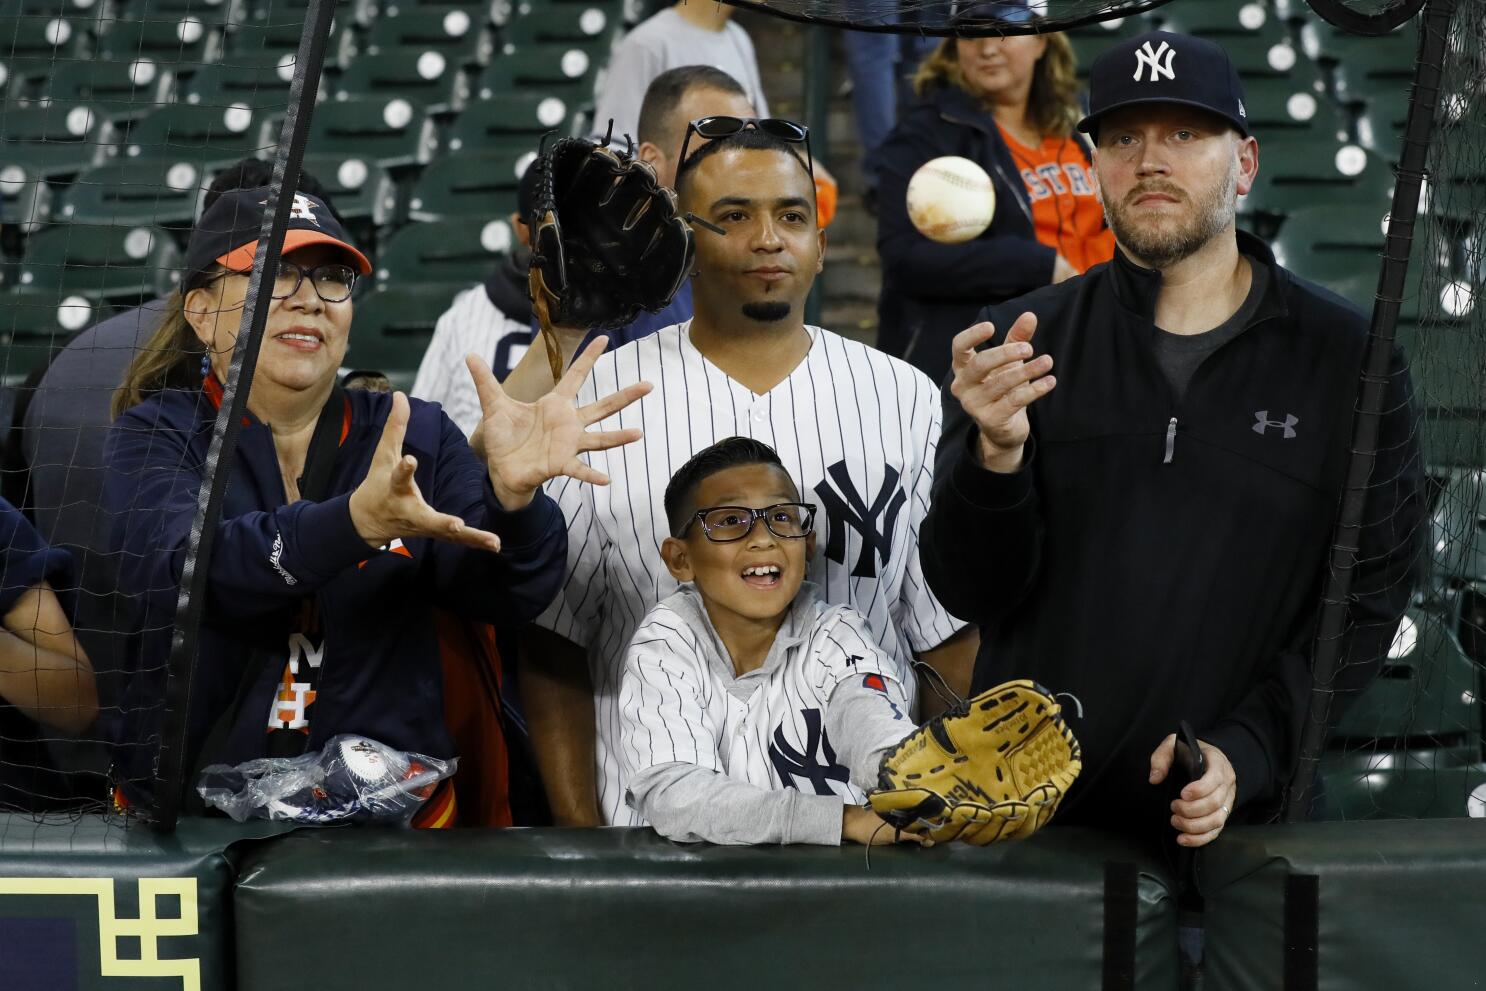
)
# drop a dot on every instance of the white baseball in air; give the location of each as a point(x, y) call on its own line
point(951, 200)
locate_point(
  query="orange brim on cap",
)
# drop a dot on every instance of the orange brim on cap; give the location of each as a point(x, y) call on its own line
point(241, 259)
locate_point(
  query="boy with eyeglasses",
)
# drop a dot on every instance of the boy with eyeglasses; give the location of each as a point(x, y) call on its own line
point(752, 711)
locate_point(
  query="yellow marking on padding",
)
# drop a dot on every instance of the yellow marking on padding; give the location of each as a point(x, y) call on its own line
point(147, 927)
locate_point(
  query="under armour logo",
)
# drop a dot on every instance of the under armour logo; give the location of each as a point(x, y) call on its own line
point(792, 764)
point(1147, 57)
point(1262, 422)
point(848, 509)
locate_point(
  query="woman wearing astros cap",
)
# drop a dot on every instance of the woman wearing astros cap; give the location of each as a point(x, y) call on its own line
point(354, 522)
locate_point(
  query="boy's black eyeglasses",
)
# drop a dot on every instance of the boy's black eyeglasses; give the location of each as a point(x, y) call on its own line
point(723, 524)
point(778, 128)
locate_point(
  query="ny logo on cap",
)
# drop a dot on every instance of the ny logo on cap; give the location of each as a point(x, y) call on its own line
point(1148, 57)
point(1262, 422)
point(304, 209)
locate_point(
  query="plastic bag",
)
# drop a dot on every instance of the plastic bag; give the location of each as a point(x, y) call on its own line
point(352, 779)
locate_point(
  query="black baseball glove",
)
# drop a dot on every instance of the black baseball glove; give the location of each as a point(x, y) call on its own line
point(607, 241)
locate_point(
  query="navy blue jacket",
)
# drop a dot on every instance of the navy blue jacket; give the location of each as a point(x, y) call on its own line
point(932, 291)
point(1161, 558)
point(381, 670)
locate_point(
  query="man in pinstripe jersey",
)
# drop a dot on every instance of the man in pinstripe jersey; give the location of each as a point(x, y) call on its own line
point(857, 428)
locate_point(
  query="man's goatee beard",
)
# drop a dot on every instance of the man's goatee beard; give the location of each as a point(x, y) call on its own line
point(770, 311)
point(1214, 212)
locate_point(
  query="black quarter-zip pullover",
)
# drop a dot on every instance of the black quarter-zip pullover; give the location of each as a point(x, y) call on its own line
point(1161, 558)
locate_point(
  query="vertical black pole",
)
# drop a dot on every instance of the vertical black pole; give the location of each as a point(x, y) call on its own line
point(1332, 623)
point(170, 767)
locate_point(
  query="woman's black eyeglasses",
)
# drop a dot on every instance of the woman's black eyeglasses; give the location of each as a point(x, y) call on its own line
point(333, 282)
point(723, 524)
point(713, 128)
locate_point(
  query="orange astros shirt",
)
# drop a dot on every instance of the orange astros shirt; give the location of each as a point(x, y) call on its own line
point(1065, 211)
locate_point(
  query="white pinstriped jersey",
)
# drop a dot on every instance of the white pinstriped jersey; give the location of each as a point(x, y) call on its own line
point(855, 428)
point(471, 325)
point(680, 700)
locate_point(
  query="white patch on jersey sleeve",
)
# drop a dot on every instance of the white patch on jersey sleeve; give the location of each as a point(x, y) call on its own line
point(842, 647)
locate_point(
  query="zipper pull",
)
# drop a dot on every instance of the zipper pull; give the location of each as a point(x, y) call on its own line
point(1170, 441)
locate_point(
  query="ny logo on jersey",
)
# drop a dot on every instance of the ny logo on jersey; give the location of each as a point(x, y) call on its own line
point(791, 763)
point(295, 696)
point(1147, 57)
point(847, 508)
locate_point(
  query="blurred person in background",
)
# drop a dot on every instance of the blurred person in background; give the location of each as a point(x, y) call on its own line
point(700, 32)
point(1009, 105)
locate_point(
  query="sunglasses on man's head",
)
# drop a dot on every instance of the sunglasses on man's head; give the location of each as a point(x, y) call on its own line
point(778, 128)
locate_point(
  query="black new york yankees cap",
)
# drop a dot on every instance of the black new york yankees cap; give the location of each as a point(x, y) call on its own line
point(227, 233)
point(1161, 67)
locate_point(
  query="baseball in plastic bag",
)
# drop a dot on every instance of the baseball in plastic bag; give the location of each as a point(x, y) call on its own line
point(352, 779)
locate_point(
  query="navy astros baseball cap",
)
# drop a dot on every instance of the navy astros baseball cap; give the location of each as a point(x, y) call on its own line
point(227, 233)
point(1161, 67)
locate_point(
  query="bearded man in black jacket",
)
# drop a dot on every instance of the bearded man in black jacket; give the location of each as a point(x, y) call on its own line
point(1152, 536)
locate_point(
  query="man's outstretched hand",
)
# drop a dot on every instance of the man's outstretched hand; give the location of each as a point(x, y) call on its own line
point(525, 444)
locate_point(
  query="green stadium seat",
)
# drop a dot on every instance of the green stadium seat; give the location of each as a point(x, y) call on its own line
point(480, 9)
point(1090, 40)
point(297, 11)
point(454, 252)
point(213, 12)
point(121, 91)
point(1458, 547)
point(258, 81)
point(1428, 688)
point(1294, 174)
point(460, 36)
point(205, 136)
point(170, 42)
point(392, 328)
point(392, 132)
point(100, 262)
point(54, 141)
point(1447, 361)
point(425, 76)
point(469, 185)
point(1338, 246)
point(279, 38)
point(1218, 20)
point(363, 192)
point(134, 192)
point(1282, 108)
point(34, 325)
point(554, 69)
point(588, 25)
point(1358, 63)
point(35, 45)
point(514, 121)
point(1409, 784)
point(25, 199)
point(1381, 118)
